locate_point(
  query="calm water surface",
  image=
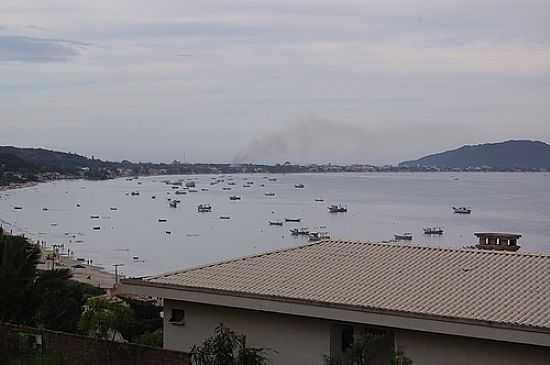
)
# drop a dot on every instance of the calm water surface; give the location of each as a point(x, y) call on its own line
point(380, 205)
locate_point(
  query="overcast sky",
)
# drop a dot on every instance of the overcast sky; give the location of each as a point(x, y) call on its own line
point(375, 81)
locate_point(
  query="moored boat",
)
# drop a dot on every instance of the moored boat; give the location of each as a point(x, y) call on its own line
point(403, 236)
point(462, 210)
point(299, 231)
point(275, 223)
point(294, 220)
point(234, 197)
point(433, 230)
point(299, 186)
point(318, 236)
point(337, 208)
point(204, 208)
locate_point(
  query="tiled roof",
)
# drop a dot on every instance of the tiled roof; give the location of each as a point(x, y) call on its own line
point(504, 288)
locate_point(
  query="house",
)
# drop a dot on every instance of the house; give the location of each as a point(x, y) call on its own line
point(441, 306)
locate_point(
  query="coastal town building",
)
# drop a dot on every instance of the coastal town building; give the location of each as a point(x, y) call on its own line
point(441, 306)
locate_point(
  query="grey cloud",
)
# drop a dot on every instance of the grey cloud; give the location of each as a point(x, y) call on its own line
point(30, 49)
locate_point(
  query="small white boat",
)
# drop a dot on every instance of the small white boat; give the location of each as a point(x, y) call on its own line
point(174, 204)
point(318, 236)
point(204, 208)
point(403, 236)
point(275, 223)
point(299, 231)
point(337, 209)
point(181, 192)
point(190, 184)
point(234, 197)
point(294, 220)
point(134, 193)
point(462, 210)
point(269, 194)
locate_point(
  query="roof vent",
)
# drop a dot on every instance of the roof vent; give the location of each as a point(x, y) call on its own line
point(498, 241)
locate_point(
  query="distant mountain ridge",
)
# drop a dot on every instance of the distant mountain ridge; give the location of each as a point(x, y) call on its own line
point(509, 155)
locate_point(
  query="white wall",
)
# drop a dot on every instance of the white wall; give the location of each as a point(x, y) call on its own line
point(434, 349)
point(294, 340)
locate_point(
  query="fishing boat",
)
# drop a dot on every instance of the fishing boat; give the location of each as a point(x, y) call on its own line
point(403, 236)
point(234, 197)
point(226, 188)
point(44, 209)
point(462, 210)
point(433, 230)
point(269, 194)
point(299, 231)
point(134, 193)
point(337, 209)
point(319, 200)
point(299, 186)
point(225, 217)
point(204, 208)
point(96, 228)
point(190, 184)
point(17, 208)
point(114, 208)
point(181, 192)
point(272, 179)
point(162, 220)
point(204, 189)
point(318, 236)
point(275, 223)
point(173, 204)
point(94, 217)
point(295, 220)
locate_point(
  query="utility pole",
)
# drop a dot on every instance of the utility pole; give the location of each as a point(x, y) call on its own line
point(116, 272)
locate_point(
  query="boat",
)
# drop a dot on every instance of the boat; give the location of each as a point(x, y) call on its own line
point(153, 197)
point(168, 232)
point(319, 200)
point(204, 189)
point(17, 208)
point(190, 184)
point(295, 220)
point(403, 236)
point(337, 209)
point(180, 192)
point(272, 179)
point(44, 209)
point(269, 194)
point(299, 186)
point(134, 193)
point(299, 231)
point(193, 191)
point(234, 197)
point(94, 217)
point(173, 204)
point(96, 228)
point(275, 223)
point(162, 220)
point(226, 188)
point(462, 210)
point(204, 208)
point(78, 205)
point(433, 230)
point(225, 217)
point(318, 236)
point(113, 208)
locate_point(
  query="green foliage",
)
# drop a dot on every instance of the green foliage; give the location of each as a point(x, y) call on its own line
point(40, 359)
point(105, 318)
point(147, 320)
point(369, 349)
point(227, 348)
point(18, 261)
point(153, 339)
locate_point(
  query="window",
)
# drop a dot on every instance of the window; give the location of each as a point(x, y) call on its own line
point(347, 338)
point(177, 317)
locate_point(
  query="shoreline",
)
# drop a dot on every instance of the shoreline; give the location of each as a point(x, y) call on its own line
point(17, 186)
point(83, 272)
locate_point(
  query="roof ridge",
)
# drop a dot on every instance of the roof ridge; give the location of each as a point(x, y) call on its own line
point(445, 249)
point(356, 242)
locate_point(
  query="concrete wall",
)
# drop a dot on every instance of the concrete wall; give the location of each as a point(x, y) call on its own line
point(292, 340)
point(434, 349)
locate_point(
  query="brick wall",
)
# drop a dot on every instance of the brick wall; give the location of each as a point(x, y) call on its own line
point(82, 350)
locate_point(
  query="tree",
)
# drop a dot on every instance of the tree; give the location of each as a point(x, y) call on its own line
point(18, 261)
point(105, 318)
point(227, 348)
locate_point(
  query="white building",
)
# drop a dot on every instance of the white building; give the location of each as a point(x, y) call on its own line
point(441, 306)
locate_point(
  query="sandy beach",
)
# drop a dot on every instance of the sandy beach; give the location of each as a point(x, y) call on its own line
point(18, 186)
point(82, 272)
